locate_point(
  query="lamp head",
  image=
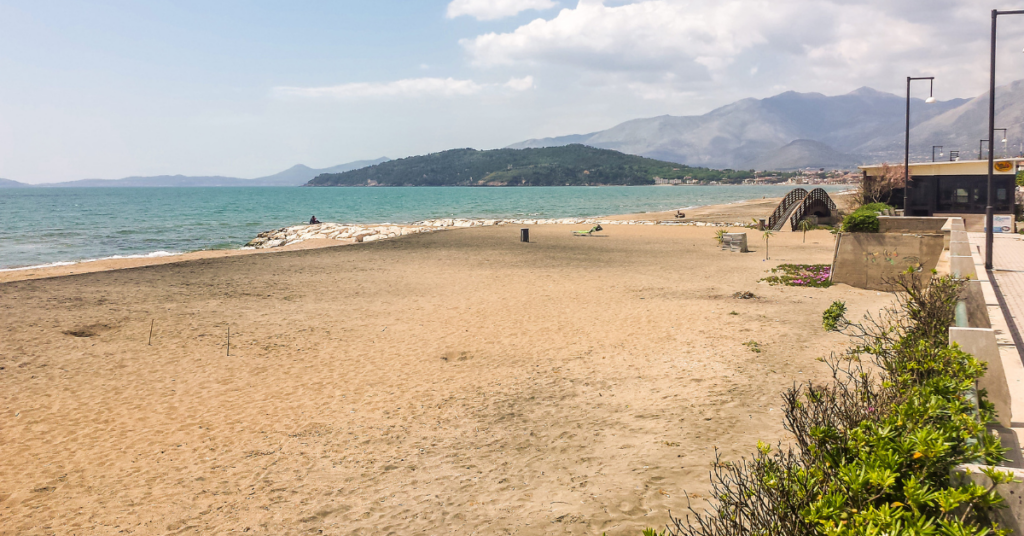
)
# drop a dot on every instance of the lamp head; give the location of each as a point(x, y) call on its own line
point(929, 100)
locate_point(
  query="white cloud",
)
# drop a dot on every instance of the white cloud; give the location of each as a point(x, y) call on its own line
point(410, 87)
point(815, 45)
point(495, 9)
point(520, 84)
point(627, 36)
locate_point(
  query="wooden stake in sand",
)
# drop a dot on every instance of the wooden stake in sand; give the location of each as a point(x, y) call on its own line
point(150, 343)
point(229, 340)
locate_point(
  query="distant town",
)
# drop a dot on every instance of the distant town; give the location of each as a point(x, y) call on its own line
point(819, 176)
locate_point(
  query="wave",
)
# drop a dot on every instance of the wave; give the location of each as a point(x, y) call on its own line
point(153, 255)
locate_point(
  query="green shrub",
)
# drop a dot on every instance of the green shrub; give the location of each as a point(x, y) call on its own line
point(873, 207)
point(834, 318)
point(861, 222)
point(872, 455)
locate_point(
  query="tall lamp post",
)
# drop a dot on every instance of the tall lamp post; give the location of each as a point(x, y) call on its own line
point(939, 147)
point(991, 132)
point(1003, 139)
point(906, 149)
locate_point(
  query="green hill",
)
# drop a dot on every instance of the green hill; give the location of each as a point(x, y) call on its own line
point(570, 165)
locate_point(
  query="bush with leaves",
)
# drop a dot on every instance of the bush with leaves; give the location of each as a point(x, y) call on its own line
point(872, 454)
point(873, 207)
point(834, 318)
point(861, 222)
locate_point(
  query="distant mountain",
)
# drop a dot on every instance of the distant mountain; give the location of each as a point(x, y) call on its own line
point(294, 176)
point(570, 165)
point(800, 154)
point(299, 174)
point(962, 128)
point(165, 181)
point(4, 183)
point(755, 130)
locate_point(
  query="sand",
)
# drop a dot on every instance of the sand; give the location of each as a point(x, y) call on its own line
point(744, 212)
point(458, 382)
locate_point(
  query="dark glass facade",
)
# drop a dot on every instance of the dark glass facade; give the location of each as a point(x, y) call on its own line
point(963, 194)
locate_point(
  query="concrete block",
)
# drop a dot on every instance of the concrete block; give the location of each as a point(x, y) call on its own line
point(1011, 518)
point(981, 343)
point(960, 248)
point(735, 242)
point(911, 224)
point(977, 309)
point(962, 266)
point(867, 260)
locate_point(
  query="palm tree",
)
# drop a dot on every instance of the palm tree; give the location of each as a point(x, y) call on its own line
point(805, 225)
point(767, 234)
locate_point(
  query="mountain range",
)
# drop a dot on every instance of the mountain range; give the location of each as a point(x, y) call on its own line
point(785, 132)
point(800, 130)
point(293, 176)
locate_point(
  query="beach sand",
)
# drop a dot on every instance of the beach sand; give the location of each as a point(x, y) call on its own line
point(744, 212)
point(458, 382)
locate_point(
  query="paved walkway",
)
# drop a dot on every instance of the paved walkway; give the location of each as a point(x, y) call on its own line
point(1008, 277)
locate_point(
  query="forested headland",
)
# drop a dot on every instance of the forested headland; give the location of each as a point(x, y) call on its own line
point(570, 165)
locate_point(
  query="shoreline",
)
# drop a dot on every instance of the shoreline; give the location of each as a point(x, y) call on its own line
point(734, 214)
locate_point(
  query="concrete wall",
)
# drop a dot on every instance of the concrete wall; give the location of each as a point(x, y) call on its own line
point(981, 343)
point(865, 260)
point(1011, 518)
point(1003, 379)
point(974, 223)
point(896, 224)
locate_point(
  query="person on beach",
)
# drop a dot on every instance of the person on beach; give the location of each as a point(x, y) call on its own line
point(313, 220)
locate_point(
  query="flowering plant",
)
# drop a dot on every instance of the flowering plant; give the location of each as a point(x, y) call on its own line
point(801, 275)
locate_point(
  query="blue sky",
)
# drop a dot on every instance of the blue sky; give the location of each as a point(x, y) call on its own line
point(109, 89)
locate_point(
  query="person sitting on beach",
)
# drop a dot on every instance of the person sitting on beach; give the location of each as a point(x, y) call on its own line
point(313, 220)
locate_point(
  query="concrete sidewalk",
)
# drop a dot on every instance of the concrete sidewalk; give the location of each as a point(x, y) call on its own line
point(1003, 289)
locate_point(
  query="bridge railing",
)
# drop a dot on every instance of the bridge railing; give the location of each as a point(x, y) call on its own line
point(816, 199)
point(788, 203)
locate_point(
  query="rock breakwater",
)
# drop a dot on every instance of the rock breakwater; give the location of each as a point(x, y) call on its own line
point(370, 233)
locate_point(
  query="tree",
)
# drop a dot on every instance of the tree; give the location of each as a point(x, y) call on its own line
point(879, 189)
point(805, 225)
point(767, 234)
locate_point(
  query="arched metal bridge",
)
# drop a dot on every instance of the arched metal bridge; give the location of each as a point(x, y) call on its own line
point(798, 204)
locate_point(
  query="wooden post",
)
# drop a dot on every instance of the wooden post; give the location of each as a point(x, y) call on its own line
point(150, 343)
point(229, 340)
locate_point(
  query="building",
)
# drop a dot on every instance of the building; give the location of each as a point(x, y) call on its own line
point(956, 188)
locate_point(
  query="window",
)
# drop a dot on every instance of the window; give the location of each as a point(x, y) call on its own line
point(960, 196)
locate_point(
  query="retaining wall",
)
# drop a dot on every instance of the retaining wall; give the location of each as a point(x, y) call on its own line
point(867, 260)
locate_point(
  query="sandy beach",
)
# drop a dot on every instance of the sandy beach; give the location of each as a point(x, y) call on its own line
point(449, 383)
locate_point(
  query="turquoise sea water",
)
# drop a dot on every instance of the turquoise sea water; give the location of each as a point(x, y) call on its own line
point(55, 225)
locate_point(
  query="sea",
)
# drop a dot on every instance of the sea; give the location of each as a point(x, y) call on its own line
point(59, 226)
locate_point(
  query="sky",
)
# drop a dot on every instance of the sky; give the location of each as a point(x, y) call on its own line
point(247, 88)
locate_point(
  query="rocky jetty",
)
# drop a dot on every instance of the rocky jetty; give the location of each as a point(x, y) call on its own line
point(370, 233)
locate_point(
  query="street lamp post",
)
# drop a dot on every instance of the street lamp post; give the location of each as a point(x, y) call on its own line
point(1003, 139)
point(991, 133)
point(939, 147)
point(906, 148)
